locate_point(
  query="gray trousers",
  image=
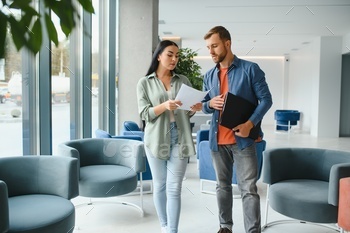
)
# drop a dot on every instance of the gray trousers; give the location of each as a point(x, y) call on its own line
point(247, 173)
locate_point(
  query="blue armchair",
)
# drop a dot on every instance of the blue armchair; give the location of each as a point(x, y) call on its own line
point(130, 128)
point(206, 169)
point(285, 119)
point(35, 193)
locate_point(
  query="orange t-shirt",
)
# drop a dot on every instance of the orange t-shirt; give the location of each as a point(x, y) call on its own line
point(225, 135)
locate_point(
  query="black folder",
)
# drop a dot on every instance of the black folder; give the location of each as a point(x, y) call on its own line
point(236, 111)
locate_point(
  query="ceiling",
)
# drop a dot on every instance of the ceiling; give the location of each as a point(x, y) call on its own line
point(257, 27)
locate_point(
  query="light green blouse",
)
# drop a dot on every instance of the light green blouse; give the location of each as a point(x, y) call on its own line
point(151, 92)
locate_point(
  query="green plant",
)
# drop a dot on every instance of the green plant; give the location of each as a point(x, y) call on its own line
point(27, 30)
point(190, 68)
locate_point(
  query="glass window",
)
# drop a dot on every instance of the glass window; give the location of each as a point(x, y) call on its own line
point(95, 84)
point(60, 88)
point(11, 99)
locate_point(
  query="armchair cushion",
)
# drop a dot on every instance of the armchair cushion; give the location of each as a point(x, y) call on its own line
point(95, 178)
point(50, 212)
point(303, 199)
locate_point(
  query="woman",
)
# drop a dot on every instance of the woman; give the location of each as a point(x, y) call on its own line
point(168, 137)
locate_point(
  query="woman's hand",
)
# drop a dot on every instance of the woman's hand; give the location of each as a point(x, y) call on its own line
point(172, 104)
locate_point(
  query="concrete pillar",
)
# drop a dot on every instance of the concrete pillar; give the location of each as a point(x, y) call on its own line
point(138, 37)
point(329, 87)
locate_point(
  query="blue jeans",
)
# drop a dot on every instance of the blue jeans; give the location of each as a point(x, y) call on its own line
point(167, 182)
point(247, 173)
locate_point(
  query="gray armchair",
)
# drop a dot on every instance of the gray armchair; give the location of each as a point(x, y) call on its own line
point(107, 167)
point(35, 193)
point(303, 183)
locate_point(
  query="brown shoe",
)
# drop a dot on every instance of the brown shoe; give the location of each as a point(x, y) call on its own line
point(224, 230)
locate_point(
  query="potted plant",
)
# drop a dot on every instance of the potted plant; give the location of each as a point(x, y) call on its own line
point(190, 68)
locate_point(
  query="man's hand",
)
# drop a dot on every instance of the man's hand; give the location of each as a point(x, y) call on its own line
point(243, 130)
point(217, 102)
point(196, 107)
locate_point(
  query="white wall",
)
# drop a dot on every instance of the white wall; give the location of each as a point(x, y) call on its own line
point(330, 83)
point(314, 86)
point(303, 84)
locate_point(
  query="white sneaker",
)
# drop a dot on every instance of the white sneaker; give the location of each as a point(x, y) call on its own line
point(163, 230)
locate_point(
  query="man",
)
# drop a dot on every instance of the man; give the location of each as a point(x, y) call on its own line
point(228, 146)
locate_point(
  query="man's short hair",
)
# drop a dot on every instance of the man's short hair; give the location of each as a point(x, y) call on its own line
point(221, 31)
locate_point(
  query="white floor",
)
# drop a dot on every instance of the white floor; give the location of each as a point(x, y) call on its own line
point(199, 211)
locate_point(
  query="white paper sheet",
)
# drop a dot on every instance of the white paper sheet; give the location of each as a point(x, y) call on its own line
point(189, 96)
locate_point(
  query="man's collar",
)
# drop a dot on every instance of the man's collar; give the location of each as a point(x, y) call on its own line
point(235, 63)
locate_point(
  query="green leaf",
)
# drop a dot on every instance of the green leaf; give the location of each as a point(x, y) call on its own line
point(20, 4)
point(17, 30)
point(87, 5)
point(3, 32)
point(35, 37)
point(51, 30)
point(189, 67)
point(66, 16)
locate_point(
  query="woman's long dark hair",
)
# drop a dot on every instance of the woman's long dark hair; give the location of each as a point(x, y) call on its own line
point(160, 48)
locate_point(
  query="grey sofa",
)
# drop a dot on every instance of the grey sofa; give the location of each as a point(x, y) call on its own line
point(303, 183)
point(35, 193)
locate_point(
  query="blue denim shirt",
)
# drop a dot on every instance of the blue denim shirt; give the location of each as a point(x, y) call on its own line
point(245, 79)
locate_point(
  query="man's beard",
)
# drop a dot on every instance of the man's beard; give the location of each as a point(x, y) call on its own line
point(221, 57)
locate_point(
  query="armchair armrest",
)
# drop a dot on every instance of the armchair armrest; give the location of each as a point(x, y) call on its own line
point(132, 154)
point(4, 208)
point(58, 175)
point(338, 171)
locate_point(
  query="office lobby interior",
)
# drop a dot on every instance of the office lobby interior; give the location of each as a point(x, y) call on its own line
point(302, 46)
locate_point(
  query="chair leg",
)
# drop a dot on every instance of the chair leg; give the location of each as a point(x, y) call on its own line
point(141, 193)
point(266, 209)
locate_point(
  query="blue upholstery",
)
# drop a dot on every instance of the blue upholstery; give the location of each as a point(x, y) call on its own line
point(285, 119)
point(130, 128)
point(35, 193)
point(304, 182)
point(103, 134)
point(202, 135)
point(147, 175)
point(206, 169)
